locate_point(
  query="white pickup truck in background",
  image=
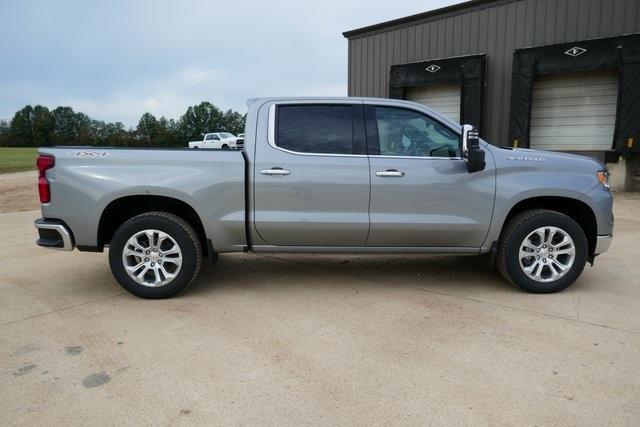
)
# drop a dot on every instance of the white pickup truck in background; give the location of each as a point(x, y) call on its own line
point(218, 140)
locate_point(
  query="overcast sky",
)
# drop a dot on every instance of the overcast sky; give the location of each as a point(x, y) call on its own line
point(115, 60)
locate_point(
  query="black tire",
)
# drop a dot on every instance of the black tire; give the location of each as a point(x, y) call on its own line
point(515, 232)
point(180, 231)
point(225, 147)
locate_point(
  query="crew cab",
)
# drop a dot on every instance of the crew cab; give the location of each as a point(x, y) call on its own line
point(217, 140)
point(336, 175)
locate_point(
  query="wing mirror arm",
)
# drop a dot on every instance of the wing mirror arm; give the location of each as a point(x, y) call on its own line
point(470, 148)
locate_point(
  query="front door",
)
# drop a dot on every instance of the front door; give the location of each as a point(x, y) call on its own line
point(421, 192)
point(311, 176)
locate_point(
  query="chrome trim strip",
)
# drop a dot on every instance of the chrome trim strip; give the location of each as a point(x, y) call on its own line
point(381, 156)
point(603, 243)
point(67, 245)
point(271, 139)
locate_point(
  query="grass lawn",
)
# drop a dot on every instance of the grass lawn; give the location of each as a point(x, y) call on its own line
point(17, 159)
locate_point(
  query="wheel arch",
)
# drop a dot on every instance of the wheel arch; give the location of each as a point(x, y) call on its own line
point(123, 208)
point(576, 209)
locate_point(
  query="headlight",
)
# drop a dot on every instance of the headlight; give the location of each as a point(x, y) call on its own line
point(603, 177)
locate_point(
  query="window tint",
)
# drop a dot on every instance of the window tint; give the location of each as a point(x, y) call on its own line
point(409, 133)
point(315, 128)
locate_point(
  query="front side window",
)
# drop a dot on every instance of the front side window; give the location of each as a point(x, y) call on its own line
point(326, 129)
point(412, 134)
point(208, 137)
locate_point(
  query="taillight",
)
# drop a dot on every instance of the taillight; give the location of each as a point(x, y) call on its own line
point(44, 163)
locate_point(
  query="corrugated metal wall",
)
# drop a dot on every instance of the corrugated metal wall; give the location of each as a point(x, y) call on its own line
point(496, 29)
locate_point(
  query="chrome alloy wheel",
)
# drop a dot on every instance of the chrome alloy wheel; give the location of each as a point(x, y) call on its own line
point(152, 258)
point(547, 254)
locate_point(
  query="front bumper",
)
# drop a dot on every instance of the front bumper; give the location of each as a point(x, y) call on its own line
point(54, 234)
point(602, 244)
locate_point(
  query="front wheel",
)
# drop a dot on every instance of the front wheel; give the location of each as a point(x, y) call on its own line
point(542, 251)
point(155, 255)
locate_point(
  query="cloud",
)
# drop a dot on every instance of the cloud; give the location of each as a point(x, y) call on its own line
point(117, 60)
point(167, 96)
point(170, 95)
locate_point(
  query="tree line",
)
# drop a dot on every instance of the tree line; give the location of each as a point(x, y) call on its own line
point(40, 127)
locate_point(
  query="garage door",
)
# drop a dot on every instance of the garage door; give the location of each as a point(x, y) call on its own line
point(574, 111)
point(444, 99)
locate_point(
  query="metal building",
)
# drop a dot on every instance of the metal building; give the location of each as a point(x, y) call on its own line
point(548, 74)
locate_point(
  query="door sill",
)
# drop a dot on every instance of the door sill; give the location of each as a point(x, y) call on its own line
point(447, 250)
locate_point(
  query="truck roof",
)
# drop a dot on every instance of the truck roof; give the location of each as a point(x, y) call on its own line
point(313, 98)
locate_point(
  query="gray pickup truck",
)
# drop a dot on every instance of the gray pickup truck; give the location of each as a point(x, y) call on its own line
point(339, 175)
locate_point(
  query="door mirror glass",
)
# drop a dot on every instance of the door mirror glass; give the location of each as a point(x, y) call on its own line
point(472, 153)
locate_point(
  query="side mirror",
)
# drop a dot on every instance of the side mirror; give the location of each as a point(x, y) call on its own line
point(470, 149)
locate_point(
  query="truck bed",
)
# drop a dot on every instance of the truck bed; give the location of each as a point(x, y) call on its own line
point(85, 181)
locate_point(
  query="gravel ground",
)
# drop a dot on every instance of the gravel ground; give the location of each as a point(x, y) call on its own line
point(19, 191)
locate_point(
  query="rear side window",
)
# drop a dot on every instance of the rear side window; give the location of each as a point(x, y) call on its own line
point(325, 129)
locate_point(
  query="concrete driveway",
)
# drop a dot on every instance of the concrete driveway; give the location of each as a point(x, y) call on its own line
point(318, 339)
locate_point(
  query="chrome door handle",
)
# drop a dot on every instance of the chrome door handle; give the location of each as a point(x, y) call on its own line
point(275, 171)
point(390, 173)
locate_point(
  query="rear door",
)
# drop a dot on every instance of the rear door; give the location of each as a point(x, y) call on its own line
point(209, 140)
point(421, 192)
point(311, 176)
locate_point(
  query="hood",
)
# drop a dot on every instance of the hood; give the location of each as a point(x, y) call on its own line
point(550, 160)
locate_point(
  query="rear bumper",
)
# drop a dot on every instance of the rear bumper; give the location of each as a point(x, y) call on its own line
point(602, 244)
point(54, 234)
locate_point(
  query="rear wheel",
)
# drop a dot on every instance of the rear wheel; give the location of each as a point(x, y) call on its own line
point(542, 251)
point(155, 255)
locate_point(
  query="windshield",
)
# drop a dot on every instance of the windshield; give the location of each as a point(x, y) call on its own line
point(226, 135)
